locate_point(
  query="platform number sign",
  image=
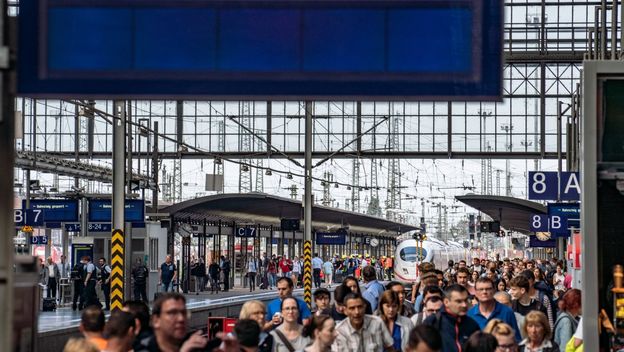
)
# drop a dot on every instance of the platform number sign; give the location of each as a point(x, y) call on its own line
point(29, 217)
point(246, 232)
point(39, 240)
point(570, 186)
point(538, 223)
point(549, 185)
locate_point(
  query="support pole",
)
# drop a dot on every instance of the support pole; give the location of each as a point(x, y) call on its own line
point(7, 159)
point(559, 155)
point(155, 169)
point(307, 208)
point(118, 237)
point(560, 241)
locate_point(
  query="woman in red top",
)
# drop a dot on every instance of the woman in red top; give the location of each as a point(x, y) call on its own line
point(286, 266)
point(272, 273)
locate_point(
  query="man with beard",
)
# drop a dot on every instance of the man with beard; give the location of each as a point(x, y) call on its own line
point(453, 323)
point(170, 323)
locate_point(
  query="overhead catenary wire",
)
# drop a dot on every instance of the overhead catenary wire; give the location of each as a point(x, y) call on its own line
point(110, 118)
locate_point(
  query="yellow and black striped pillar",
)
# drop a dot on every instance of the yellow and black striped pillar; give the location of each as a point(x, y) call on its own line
point(117, 270)
point(307, 273)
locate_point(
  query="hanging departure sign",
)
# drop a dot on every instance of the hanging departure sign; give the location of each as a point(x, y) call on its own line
point(294, 49)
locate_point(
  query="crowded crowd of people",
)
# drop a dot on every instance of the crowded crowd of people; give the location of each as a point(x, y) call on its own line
point(487, 306)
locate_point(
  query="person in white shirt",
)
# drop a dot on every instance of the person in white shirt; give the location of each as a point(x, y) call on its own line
point(558, 279)
point(296, 271)
point(52, 275)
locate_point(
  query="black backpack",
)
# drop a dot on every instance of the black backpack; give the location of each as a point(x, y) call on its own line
point(78, 271)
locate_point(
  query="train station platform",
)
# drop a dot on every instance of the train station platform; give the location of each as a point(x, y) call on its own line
point(55, 328)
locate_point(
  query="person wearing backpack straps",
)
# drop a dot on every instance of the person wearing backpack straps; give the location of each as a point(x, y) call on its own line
point(522, 302)
point(566, 324)
point(287, 337)
point(541, 295)
point(431, 306)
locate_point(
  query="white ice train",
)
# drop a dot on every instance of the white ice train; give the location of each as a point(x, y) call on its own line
point(408, 255)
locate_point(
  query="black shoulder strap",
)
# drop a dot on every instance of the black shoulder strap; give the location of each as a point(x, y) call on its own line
point(285, 341)
point(438, 321)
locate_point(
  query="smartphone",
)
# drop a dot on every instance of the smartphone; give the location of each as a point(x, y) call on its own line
point(213, 344)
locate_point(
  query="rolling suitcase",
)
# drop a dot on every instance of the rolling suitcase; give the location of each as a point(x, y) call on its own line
point(49, 305)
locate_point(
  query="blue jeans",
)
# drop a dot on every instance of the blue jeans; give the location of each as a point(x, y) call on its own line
point(167, 287)
point(272, 279)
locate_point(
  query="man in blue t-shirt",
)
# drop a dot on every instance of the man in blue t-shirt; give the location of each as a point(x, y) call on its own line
point(167, 274)
point(285, 288)
point(488, 308)
point(373, 288)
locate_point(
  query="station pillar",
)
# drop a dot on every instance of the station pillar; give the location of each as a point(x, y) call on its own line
point(307, 208)
point(118, 238)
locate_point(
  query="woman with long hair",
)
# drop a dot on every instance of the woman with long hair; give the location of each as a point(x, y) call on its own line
point(351, 284)
point(398, 325)
point(537, 330)
point(504, 334)
point(570, 309)
point(539, 275)
point(474, 276)
point(501, 285)
point(322, 331)
point(256, 310)
point(287, 337)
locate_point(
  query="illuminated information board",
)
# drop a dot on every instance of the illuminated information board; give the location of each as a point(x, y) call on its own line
point(280, 49)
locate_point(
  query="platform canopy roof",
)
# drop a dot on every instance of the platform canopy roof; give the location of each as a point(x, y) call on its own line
point(513, 213)
point(264, 209)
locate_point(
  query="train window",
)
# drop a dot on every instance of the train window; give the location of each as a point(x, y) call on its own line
point(412, 254)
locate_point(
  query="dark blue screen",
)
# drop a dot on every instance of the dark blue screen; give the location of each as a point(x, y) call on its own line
point(261, 40)
point(89, 39)
point(256, 48)
point(344, 40)
point(265, 40)
point(430, 40)
point(177, 39)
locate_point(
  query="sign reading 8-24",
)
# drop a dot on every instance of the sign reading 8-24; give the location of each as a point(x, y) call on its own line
point(550, 185)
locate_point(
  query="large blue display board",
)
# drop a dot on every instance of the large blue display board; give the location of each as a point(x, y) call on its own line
point(258, 48)
point(330, 238)
point(100, 210)
point(55, 210)
point(563, 217)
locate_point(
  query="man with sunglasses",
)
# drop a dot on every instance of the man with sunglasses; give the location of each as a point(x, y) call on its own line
point(488, 308)
point(431, 306)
